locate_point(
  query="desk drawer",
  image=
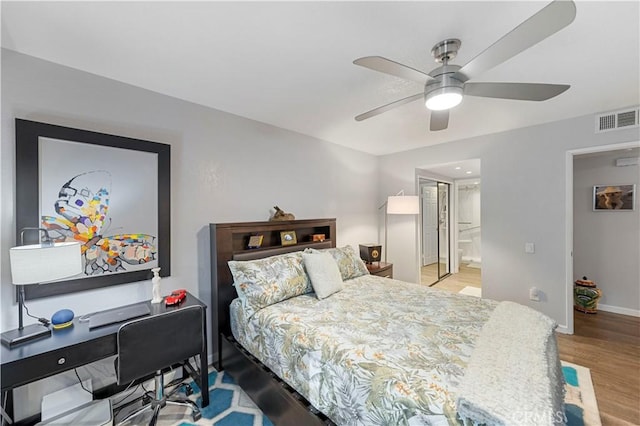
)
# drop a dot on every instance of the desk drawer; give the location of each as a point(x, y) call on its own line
point(23, 371)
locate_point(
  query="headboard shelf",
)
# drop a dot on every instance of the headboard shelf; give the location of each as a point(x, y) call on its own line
point(229, 241)
point(266, 248)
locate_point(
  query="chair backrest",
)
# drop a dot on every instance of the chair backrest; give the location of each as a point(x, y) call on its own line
point(152, 343)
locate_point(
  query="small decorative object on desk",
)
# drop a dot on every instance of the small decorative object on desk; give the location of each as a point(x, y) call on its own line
point(288, 238)
point(586, 296)
point(280, 215)
point(317, 237)
point(255, 241)
point(62, 319)
point(157, 298)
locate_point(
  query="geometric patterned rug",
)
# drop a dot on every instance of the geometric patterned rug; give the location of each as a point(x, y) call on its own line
point(581, 407)
point(230, 406)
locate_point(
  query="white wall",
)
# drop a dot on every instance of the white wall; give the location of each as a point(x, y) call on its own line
point(606, 245)
point(523, 200)
point(225, 168)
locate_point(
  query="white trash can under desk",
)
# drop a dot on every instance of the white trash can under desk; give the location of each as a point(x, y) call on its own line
point(95, 413)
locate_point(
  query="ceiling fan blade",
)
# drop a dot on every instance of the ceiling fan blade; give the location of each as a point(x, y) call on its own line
point(439, 120)
point(387, 107)
point(387, 66)
point(517, 91)
point(551, 19)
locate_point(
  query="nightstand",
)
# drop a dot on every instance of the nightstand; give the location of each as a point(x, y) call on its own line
point(381, 269)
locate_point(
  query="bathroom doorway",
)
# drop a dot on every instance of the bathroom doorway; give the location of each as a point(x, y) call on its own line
point(436, 224)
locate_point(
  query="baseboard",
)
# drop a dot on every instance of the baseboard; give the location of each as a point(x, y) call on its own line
point(619, 310)
point(563, 329)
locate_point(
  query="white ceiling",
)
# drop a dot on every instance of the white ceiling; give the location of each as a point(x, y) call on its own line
point(289, 64)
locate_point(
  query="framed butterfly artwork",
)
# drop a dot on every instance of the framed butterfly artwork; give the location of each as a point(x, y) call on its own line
point(109, 193)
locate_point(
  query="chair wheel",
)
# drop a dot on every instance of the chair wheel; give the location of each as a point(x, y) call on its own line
point(188, 390)
point(196, 415)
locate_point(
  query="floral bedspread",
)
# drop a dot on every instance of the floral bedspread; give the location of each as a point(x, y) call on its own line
point(379, 352)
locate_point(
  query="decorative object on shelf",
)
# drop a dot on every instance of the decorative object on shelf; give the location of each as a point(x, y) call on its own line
point(612, 198)
point(586, 296)
point(157, 297)
point(317, 237)
point(288, 238)
point(87, 179)
point(255, 241)
point(370, 252)
point(281, 215)
point(39, 264)
point(62, 319)
point(398, 204)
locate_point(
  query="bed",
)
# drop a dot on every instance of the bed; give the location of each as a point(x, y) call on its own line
point(375, 351)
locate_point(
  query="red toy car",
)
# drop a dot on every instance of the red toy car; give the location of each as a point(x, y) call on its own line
point(175, 298)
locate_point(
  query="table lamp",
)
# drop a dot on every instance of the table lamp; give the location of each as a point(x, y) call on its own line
point(39, 264)
point(398, 204)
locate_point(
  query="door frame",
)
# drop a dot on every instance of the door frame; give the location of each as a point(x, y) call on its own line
point(422, 174)
point(569, 158)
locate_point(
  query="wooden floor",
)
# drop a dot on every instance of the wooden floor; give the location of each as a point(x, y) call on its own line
point(609, 345)
point(466, 277)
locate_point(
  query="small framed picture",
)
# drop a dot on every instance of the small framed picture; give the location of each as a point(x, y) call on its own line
point(614, 197)
point(255, 241)
point(288, 238)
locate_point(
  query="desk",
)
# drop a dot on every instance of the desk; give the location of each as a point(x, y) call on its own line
point(75, 346)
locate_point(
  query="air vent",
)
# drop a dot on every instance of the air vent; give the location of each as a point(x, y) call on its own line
point(617, 120)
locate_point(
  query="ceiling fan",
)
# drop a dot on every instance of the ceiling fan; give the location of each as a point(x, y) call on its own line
point(447, 84)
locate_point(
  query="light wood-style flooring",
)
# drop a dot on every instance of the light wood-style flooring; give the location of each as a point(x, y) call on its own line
point(606, 343)
point(467, 277)
point(609, 345)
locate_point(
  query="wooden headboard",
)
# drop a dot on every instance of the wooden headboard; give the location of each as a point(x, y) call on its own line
point(229, 242)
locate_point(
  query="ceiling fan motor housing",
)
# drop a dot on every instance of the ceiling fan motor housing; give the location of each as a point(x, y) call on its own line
point(446, 80)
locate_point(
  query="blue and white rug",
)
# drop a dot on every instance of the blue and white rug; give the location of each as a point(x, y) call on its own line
point(581, 407)
point(230, 406)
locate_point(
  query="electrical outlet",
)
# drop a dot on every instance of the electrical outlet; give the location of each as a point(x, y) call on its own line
point(529, 248)
point(534, 294)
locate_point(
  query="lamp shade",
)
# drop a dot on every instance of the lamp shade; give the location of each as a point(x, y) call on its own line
point(403, 204)
point(37, 263)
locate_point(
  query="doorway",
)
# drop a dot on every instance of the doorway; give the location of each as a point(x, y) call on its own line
point(436, 222)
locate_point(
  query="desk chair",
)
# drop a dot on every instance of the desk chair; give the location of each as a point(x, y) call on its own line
point(147, 345)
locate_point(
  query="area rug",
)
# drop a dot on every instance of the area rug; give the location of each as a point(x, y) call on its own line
point(230, 406)
point(471, 291)
point(581, 407)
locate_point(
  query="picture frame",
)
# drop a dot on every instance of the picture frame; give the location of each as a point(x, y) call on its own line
point(614, 197)
point(255, 241)
point(56, 165)
point(288, 238)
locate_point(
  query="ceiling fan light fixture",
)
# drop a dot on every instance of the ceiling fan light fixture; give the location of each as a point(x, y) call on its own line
point(444, 98)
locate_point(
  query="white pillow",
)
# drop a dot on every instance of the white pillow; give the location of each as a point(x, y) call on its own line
point(323, 272)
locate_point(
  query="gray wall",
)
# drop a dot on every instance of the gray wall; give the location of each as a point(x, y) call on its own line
point(524, 199)
point(606, 244)
point(225, 168)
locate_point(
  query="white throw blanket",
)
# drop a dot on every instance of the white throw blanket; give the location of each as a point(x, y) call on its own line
point(514, 375)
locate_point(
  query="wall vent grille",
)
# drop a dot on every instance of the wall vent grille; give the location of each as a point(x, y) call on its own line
point(617, 120)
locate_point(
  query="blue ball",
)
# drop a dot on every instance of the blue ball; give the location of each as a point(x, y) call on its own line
point(62, 316)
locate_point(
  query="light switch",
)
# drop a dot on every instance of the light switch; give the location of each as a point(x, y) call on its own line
point(529, 248)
